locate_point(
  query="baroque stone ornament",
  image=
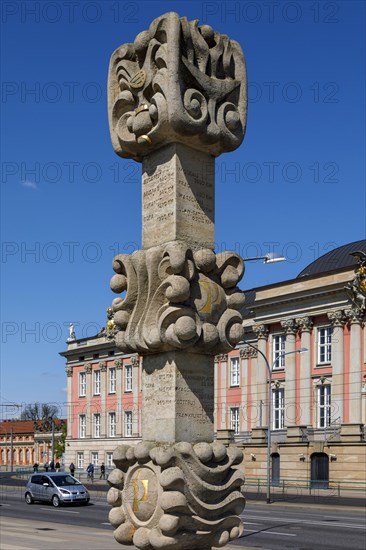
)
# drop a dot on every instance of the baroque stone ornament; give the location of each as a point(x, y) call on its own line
point(176, 497)
point(356, 289)
point(178, 299)
point(177, 82)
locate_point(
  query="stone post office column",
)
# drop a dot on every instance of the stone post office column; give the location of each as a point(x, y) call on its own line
point(135, 362)
point(305, 326)
point(338, 320)
point(291, 404)
point(177, 99)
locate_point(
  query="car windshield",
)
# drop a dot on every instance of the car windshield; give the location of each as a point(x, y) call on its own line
point(65, 480)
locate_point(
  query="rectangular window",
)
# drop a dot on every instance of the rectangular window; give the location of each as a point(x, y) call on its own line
point(112, 424)
point(324, 345)
point(234, 371)
point(82, 384)
point(97, 382)
point(278, 402)
point(112, 380)
point(128, 424)
point(278, 346)
point(96, 425)
point(109, 459)
point(94, 458)
point(82, 426)
point(128, 377)
point(324, 412)
point(80, 460)
point(234, 419)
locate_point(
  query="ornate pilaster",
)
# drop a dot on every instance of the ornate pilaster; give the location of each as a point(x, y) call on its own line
point(89, 394)
point(305, 325)
point(259, 370)
point(70, 415)
point(338, 320)
point(292, 406)
point(221, 405)
point(355, 318)
point(103, 398)
point(118, 364)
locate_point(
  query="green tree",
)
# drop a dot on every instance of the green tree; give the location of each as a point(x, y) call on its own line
point(60, 443)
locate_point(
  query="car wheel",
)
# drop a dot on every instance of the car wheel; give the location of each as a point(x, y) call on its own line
point(56, 501)
point(28, 498)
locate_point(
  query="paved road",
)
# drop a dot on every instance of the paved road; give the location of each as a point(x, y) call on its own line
point(270, 527)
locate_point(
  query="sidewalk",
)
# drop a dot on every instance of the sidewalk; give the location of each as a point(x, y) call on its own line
point(21, 534)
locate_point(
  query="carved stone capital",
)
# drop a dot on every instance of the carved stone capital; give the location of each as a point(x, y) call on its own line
point(247, 352)
point(178, 82)
point(337, 318)
point(103, 366)
point(289, 326)
point(118, 364)
point(68, 371)
point(135, 361)
point(178, 299)
point(305, 324)
point(88, 368)
point(261, 331)
point(355, 316)
point(176, 482)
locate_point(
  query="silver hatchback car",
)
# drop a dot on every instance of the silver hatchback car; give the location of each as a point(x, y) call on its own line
point(55, 487)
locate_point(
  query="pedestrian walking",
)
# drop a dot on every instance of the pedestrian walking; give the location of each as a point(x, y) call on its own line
point(57, 466)
point(46, 466)
point(52, 466)
point(35, 467)
point(90, 470)
point(72, 468)
point(102, 471)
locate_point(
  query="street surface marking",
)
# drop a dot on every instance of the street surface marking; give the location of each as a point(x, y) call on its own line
point(58, 510)
point(268, 533)
point(311, 522)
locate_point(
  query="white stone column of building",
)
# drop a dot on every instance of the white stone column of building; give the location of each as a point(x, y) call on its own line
point(216, 392)
point(305, 325)
point(260, 374)
point(290, 327)
point(244, 366)
point(89, 395)
point(355, 317)
point(224, 419)
point(70, 405)
point(119, 400)
point(103, 398)
point(338, 320)
point(135, 362)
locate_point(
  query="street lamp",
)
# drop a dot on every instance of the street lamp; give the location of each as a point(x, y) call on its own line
point(269, 258)
point(269, 407)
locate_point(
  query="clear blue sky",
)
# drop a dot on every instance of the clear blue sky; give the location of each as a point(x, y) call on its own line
point(69, 204)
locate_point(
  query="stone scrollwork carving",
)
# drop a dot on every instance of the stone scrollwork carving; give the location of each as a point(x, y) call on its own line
point(177, 82)
point(178, 299)
point(176, 496)
point(356, 289)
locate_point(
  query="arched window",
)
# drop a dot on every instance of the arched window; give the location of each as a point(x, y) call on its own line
point(3, 456)
point(319, 471)
point(8, 455)
point(27, 456)
point(20, 455)
point(275, 469)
